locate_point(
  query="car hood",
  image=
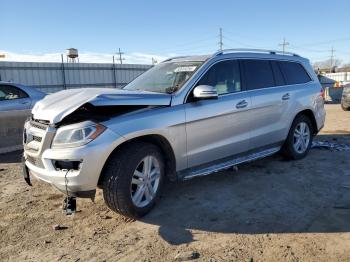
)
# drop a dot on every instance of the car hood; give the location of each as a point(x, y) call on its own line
point(57, 106)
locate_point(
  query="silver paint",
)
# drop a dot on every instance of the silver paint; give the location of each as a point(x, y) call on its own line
point(198, 132)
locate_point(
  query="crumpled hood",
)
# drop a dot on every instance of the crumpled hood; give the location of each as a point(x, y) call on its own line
point(57, 106)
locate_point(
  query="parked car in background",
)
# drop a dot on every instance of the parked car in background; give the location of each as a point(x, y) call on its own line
point(185, 117)
point(345, 100)
point(16, 102)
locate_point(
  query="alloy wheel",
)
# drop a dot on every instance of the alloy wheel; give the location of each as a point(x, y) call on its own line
point(145, 181)
point(301, 137)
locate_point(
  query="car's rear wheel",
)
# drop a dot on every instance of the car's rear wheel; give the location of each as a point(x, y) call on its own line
point(345, 108)
point(133, 178)
point(299, 139)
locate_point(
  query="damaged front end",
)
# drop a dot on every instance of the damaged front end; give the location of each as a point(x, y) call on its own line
point(66, 143)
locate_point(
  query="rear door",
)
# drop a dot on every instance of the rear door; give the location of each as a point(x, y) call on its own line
point(270, 100)
point(218, 128)
point(14, 109)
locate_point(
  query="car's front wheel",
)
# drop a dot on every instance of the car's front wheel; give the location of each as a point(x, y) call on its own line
point(133, 179)
point(299, 139)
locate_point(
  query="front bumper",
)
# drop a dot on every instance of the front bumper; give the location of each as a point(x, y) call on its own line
point(80, 182)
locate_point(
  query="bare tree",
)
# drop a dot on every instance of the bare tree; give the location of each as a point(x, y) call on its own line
point(327, 63)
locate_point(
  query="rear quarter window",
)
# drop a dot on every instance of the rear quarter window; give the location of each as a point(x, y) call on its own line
point(294, 73)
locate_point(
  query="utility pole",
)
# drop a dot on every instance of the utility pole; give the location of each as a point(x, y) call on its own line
point(154, 61)
point(332, 59)
point(120, 53)
point(284, 44)
point(63, 73)
point(220, 39)
point(114, 76)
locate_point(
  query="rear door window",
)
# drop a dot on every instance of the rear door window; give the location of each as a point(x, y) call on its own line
point(294, 73)
point(258, 74)
point(9, 92)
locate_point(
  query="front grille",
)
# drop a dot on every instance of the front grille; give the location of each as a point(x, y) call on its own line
point(30, 134)
point(37, 137)
point(40, 124)
point(35, 161)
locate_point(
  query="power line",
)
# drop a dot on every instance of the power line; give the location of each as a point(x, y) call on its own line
point(189, 45)
point(243, 44)
point(344, 39)
point(308, 49)
point(284, 44)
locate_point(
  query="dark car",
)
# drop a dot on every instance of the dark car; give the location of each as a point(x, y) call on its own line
point(345, 100)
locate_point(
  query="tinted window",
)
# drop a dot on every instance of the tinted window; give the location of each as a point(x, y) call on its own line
point(225, 76)
point(8, 92)
point(258, 74)
point(294, 73)
point(279, 80)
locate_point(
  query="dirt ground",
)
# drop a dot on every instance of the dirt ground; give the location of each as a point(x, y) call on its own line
point(270, 210)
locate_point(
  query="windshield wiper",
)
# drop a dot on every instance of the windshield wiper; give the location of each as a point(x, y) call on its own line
point(171, 89)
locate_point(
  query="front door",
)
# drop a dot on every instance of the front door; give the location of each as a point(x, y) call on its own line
point(218, 128)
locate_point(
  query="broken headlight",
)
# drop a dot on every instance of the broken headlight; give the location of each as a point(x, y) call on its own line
point(74, 137)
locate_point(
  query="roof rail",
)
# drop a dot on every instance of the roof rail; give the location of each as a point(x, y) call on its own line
point(172, 58)
point(248, 50)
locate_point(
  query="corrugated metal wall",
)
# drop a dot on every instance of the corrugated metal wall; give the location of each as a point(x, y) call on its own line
point(52, 77)
point(340, 76)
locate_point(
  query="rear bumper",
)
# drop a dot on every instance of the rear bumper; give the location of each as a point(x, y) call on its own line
point(345, 101)
point(320, 118)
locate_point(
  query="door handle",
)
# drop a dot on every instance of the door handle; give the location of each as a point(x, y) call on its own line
point(286, 96)
point(24, 102)
point(241, 104)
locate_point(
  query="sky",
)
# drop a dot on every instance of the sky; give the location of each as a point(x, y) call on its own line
point(34, 30)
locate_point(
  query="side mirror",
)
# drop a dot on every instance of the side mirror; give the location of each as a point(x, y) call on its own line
point(205, 92)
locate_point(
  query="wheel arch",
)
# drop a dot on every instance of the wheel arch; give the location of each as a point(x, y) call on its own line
point(156, 139)
point(310, 114)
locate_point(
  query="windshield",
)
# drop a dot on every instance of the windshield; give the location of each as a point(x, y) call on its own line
point(164, 78)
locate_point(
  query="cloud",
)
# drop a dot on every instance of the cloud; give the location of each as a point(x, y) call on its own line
point(86, 57)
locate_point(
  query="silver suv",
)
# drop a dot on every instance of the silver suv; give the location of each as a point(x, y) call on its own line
point(186, 117)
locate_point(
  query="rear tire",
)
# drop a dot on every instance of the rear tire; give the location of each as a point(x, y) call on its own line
point(344, 107)
point(133, 179)
point(299, 139)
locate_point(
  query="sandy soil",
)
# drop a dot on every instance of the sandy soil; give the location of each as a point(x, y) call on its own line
point(270, 210)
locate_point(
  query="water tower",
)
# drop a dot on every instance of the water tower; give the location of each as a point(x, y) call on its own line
point(72, 55)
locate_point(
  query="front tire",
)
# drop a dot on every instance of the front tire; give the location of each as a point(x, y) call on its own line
point(133, 179)
point(299, 139)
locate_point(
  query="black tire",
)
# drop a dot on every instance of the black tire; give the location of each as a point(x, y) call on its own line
point(288, 150)
point(344, 107)
point(118, 174)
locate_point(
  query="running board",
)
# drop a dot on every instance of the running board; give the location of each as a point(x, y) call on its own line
point(227, 164)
